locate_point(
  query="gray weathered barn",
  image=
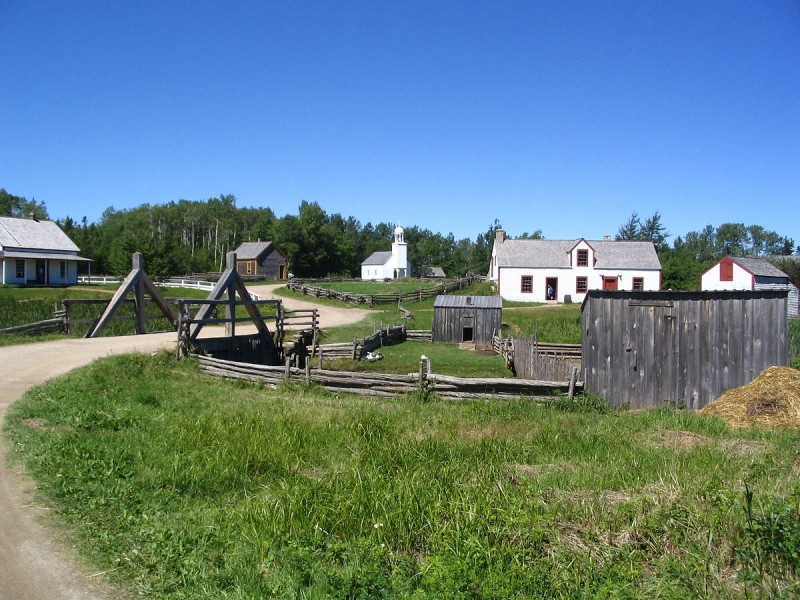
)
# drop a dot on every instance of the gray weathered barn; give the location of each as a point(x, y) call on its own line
point(459, 319)
point(650, 348)
point(262, 259)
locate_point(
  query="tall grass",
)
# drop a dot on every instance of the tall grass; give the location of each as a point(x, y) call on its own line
point(185, 486)
point(794, 342)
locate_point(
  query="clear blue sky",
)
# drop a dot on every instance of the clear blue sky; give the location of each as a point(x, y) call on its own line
point(561, 116)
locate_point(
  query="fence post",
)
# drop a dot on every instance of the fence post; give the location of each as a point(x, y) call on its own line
point(287, 369)
point(308, 371)
point(573, 378)
point(320, 360)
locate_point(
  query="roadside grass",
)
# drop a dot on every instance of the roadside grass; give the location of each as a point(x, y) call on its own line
point(794, 342)
point(183, 486)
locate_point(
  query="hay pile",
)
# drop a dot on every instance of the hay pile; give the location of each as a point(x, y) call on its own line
point(771, 400)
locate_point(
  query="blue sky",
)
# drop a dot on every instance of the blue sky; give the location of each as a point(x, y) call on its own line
point(561, 116)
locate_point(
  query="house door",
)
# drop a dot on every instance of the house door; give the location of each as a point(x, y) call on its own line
point(41, 272)
point(610, 283)
point(551, 288)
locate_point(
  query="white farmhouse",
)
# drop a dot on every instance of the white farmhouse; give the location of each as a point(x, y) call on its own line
point(529, 270)
point(388, 265)
point(738, 273)
point(36, 252)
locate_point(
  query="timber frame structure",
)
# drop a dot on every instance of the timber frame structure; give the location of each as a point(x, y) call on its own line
point(137, 282)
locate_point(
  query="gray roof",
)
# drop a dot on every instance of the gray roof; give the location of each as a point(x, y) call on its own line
point(463, 301)
point(43, 255)
point(30, 234)
point(760, 267)
point(554, 254)
point(377, 258)
point(251, 250)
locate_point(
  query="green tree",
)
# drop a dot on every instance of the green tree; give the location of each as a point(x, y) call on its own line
point(20, 207)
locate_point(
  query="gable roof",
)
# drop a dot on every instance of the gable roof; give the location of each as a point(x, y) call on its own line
point(759, 267)
point(608, 254)
point(445, 301)
point(29, 234)
point(377, 258)
point(254, 250)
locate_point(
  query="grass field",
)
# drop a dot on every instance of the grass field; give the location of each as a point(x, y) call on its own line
point(184, 486)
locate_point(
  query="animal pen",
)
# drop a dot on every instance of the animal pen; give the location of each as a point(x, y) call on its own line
point(644, 349)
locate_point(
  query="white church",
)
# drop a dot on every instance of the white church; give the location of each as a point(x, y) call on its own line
point(388, 265)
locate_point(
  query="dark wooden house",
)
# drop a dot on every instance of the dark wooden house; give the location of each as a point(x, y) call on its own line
point(645, 349)
point(459, 319)
point(262, 259)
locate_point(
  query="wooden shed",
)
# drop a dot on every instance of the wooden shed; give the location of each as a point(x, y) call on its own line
point(262, 259)
point(459, 319)
point(645, 349)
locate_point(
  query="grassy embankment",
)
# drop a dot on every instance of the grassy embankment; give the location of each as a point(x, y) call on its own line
point(185, 486)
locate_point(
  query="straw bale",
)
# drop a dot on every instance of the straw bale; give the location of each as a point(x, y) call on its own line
point(771, 400)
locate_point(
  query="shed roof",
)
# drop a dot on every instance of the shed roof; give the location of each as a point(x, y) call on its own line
point(377, 258)
point(252, 250)
point(30, 234)
point(444, 301)
point(760, 267)
point(609, 254)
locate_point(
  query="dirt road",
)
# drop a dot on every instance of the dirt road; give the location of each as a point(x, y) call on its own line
point(34, 565)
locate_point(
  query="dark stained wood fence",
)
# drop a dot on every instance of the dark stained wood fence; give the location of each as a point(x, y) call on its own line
point(377, 299)
point(681, 348)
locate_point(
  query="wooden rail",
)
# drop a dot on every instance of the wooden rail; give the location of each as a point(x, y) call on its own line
point(381, 384)
point(378, 299)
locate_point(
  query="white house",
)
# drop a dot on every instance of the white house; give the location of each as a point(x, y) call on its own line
point(36, 252)
point(739, 273)
point(529, 270)
point(388, 265)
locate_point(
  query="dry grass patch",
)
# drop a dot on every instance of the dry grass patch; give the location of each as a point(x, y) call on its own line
point(678, 440)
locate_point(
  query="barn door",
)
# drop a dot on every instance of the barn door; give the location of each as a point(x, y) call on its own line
point(652, 354)
point(467, 329)
point(610, 283)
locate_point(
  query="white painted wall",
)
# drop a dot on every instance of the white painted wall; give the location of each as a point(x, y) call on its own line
point(511, 282)
point(742, 279)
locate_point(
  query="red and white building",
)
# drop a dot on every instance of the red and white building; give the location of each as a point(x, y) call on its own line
point(741, 273)
point(528, 270)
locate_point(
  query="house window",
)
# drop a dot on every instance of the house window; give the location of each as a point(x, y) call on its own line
point(726, 270)
point(62, 269)
point(20, 269)
point(583, 258)
point(638, 284)
point(581, 285)
point(527, 284)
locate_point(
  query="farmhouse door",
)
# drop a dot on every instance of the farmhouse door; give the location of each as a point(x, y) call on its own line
point(610, 283)
point(41, 272)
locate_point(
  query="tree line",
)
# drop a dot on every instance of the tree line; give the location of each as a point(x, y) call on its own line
point(189, 236)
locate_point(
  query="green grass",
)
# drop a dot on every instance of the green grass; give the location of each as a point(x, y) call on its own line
point(794, 342)
point(184, 486)
point(446, 359)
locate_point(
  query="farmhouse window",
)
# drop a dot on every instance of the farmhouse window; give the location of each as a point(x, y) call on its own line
point(527, 284)
point(726, 270)
point(583, 258)
point(638, 284)
point(62, 269)
point(581, 285)
point(20, 269)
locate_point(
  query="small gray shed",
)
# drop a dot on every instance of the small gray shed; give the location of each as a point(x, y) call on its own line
point(681, 348)
point(459, 319)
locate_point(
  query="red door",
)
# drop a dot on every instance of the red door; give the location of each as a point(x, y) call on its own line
point(609, 283)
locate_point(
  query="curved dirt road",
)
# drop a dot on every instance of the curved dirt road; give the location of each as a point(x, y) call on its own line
point(32, 565)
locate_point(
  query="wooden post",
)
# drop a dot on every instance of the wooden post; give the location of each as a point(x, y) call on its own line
point(320, 360)
point(421, 381)
point(308, 372)
point(287, 370)
point(572, 380)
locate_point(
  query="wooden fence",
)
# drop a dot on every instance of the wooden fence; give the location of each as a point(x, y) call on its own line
point(381, 384)
point(378, 299)
point(529, 359)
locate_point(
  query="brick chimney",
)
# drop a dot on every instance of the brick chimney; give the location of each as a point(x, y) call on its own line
point(500, 236)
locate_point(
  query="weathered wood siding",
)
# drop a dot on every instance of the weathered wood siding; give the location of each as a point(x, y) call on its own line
point(455, 317)
point(650, 348)
point(273, 265)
